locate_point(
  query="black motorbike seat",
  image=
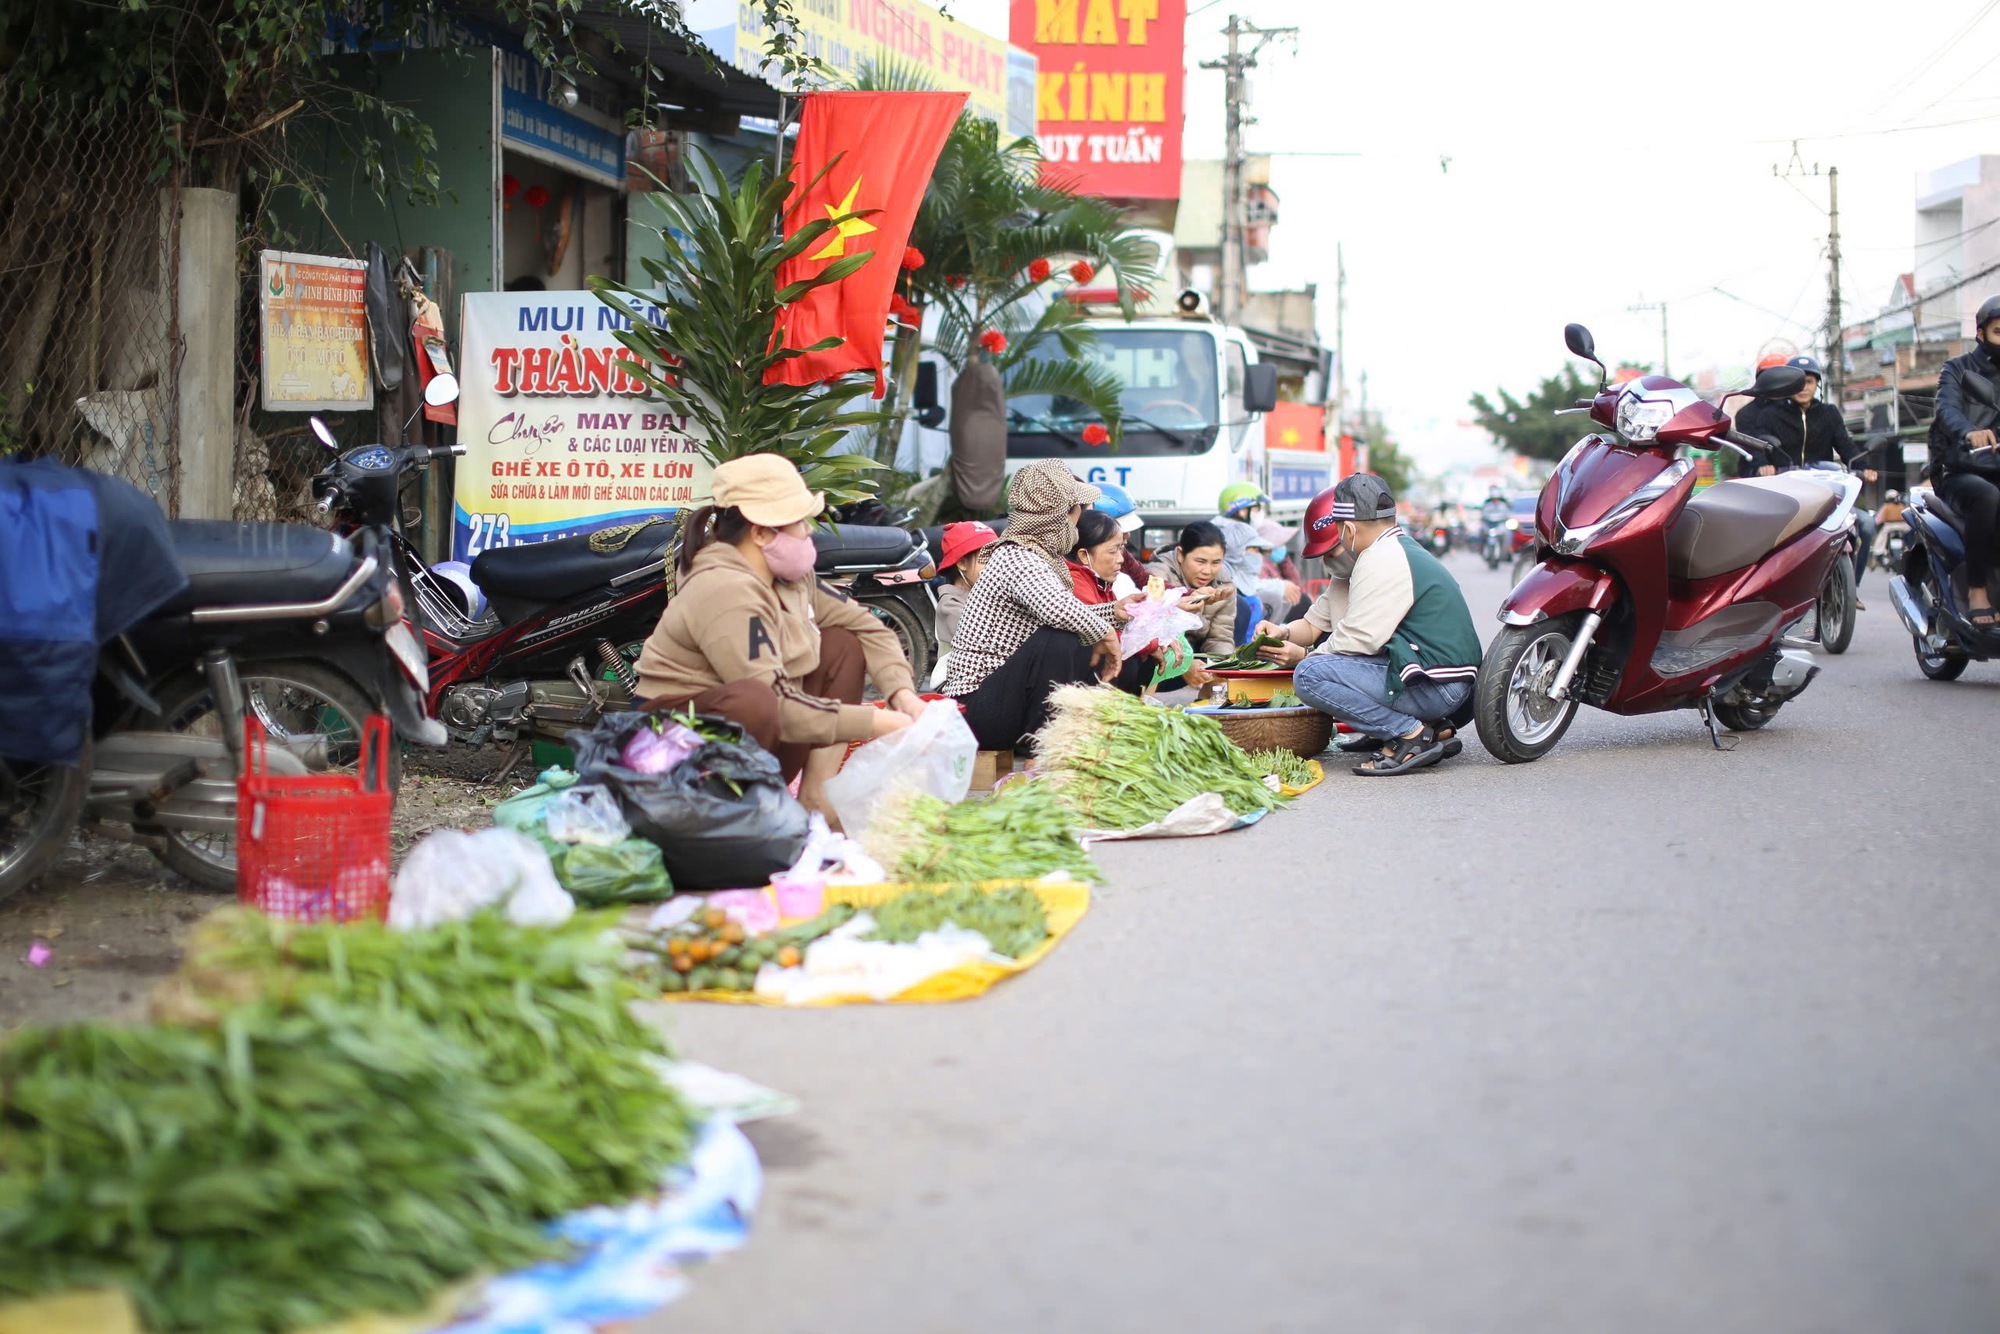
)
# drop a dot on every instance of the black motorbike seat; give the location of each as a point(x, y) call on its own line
point(552, 571)
point(1935, 506)
point(857, 544)
point(238, 564)
point(1735, 524)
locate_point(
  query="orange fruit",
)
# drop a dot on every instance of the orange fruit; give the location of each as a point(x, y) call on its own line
point(733, 933)
point(713, 918)
point(788, 957)
point(683, 964)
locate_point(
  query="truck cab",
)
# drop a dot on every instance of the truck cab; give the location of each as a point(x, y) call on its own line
point(1193, 403)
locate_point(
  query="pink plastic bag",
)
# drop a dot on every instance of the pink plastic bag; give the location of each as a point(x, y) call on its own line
point(1156, 623)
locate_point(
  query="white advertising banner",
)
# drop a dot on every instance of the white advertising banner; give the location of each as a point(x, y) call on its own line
point(560, 438)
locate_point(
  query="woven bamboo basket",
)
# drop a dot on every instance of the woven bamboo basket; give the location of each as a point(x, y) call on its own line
point(1304, 731)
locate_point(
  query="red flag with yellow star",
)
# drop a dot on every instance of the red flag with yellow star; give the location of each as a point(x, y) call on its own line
point(886, 145)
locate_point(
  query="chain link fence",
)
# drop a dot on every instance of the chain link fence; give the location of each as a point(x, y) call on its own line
point(88, 345)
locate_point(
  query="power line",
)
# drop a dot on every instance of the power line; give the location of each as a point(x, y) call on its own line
point(1950, 44)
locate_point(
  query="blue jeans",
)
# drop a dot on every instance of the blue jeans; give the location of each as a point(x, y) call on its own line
point(1864, 533)
point(1355, 690)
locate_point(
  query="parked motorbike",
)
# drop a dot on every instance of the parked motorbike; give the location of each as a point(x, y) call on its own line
point(297, 628)
point(1648, 597)
point(1930, 591)
point(539, 638)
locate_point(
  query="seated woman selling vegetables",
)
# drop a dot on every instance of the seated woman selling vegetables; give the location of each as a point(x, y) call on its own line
point(1025, 631)
point(751, 635)
point(1196, 564)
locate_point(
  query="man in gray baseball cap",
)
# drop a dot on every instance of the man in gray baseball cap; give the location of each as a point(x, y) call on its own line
point(1399, 651)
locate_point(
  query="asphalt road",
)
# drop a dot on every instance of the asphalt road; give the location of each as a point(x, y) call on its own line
point(1640, 1037)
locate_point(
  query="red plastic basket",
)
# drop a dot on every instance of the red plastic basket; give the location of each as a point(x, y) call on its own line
point(315, 847)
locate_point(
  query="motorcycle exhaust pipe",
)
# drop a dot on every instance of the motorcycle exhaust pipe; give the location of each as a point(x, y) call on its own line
point(1913, 617)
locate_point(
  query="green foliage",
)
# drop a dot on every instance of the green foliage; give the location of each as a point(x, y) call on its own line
point(218, 82)
point(706, 335)
point(271, 1173)
point(543, 1009)
point(1529, 427)
point(1387, 460)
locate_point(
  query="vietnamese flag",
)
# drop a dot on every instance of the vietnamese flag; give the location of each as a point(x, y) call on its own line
point(887, 144)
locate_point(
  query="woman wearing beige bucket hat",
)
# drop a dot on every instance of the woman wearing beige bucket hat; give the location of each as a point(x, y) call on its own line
point(751, 635)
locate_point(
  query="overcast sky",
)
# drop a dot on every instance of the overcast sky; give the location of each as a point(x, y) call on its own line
point(1600, 156)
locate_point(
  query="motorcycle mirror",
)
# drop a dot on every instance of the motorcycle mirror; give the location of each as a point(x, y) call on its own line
point(323, 433)
point(1778, 382)
point(1578, 340)
point(442, 389)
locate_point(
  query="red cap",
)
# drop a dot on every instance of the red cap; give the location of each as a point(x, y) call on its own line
point(962, 539)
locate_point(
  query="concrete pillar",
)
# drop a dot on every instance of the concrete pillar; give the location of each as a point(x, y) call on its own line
point(205, 320)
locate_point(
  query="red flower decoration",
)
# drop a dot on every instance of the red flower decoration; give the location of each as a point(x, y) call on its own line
point(905, 312)
point(955, 280)
point(993, 341)
point(1095, 434)
point(1039, 270)
point(1081, 271)
point(537, 196)
point(913, 258)
point(510, 185)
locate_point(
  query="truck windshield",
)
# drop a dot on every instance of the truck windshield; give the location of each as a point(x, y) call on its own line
point(1167, 394)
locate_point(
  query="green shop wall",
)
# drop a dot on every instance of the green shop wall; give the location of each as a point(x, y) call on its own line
point(457, 93)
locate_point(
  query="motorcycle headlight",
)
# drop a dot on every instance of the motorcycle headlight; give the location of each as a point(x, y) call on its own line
point(1513, 525)
point(1641, 419)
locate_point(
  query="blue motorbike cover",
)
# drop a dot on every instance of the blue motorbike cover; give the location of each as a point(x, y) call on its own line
point(60, 529)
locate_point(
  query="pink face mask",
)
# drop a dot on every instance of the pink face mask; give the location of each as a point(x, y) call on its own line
point(790, 557)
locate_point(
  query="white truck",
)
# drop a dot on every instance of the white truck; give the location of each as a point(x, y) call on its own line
point(1195, 395)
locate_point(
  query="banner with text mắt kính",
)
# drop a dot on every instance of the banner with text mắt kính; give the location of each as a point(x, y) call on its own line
point(561, 438)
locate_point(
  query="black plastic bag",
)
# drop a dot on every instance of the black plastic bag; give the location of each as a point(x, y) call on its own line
point(723, 818)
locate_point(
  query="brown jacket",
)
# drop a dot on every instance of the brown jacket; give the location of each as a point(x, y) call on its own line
point(726, 624)
point(1218, 618)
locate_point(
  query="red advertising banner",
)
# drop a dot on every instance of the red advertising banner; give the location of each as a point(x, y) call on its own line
point(1108, 91)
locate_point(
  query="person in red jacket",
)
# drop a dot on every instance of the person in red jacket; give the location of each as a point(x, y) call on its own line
point(1099, 554)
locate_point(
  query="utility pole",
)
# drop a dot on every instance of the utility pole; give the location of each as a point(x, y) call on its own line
point(1339, 343)
point(1836, 369)
point(1236, 66)
point(1660, 306)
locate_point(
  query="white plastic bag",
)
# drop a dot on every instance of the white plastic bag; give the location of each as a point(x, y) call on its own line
point(453, 874)
point(1156, 623)
point(586, 813)
point(934, 755)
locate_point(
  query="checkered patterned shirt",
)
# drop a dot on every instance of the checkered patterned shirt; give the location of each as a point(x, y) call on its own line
point(1018, 593)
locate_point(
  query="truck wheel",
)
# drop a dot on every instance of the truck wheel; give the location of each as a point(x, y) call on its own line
point(1517, 720)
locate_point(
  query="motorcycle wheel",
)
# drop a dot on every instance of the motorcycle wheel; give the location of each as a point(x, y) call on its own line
point(314, 710)
point(1517, 720)
point(1946, 664)
point(919, 646)
point(38, 808)
point(1836, 606)
point(1745, 717)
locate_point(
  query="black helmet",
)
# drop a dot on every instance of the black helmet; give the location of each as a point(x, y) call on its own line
point(1989, 310)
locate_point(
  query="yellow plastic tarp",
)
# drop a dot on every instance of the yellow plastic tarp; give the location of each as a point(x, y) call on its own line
point(1065, 902)
point(1319, 776)
point(110, 1311)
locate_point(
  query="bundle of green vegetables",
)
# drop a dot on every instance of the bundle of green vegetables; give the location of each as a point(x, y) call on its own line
point(1011, 918)
point(1121, 763)
point(273, 1172)
point(1245, 659)
point(1285, 766)
point(1023, 833)
point(542, 1011)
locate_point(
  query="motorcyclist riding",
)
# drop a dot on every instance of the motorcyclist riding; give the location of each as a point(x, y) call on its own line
point(1806, 431)
point(1965, 456)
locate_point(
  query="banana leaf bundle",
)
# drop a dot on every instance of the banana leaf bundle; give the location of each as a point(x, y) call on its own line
point(1245, 659)
point(272, 1172)
point(1121, 763)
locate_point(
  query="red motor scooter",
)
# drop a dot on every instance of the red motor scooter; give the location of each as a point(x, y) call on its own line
point(1649, 597)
